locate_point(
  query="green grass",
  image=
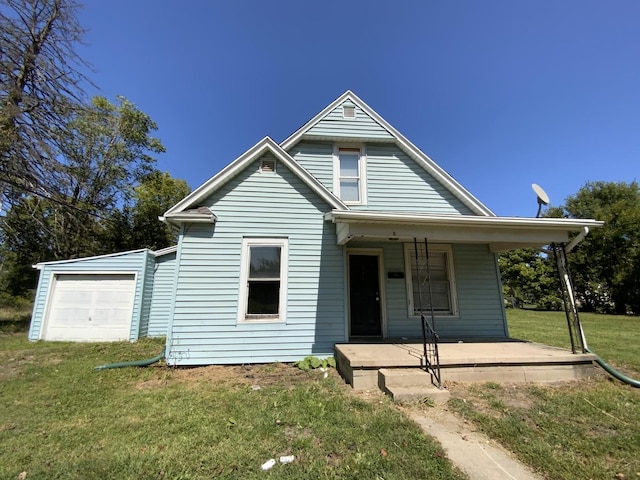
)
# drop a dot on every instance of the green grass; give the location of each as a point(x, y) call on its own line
point(615, 338)
point(62, 419)
point(574, 430)
point(15, 318)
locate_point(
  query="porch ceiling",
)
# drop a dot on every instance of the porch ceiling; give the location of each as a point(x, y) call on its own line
point(501, 233)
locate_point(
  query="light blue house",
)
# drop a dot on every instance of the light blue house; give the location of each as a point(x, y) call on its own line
point(321, 239)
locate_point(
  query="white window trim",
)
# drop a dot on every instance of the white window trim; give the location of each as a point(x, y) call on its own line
point(408, 252)
point(344, 112)
point(243, 293)
point(362, 170)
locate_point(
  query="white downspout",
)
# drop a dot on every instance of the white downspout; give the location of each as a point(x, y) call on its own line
point(572, 244)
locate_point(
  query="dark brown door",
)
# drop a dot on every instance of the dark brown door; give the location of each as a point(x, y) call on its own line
point(364, 296)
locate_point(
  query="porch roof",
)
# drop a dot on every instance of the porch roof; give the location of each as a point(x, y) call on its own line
point(501, 233)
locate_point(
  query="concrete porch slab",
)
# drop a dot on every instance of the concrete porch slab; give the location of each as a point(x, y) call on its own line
point(502, 361)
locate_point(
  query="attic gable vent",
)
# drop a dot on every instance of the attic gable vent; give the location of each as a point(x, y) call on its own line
point(268, 165)
point(348, 111)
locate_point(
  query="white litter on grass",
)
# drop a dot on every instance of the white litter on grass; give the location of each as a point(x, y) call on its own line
point(324, 371)
point(255, 387)
point(287, 459)
point(268, 464)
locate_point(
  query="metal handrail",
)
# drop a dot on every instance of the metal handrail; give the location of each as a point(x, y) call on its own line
point(430, 342)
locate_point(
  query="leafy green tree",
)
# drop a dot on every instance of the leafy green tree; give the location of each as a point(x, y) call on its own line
point(106, 150)
point(22, 244)
point(606, 264)
point(157, 192)
point(138, 226)
point(41, 77)
point(529, 277)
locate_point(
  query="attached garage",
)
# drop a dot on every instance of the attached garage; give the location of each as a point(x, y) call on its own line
point(90, 307)
point(97, 299)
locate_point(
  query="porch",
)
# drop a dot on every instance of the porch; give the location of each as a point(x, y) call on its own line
point(500, 360)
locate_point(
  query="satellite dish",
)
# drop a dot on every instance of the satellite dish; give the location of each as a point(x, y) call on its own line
point(543, 198)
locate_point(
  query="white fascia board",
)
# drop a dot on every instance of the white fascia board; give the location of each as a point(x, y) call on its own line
point(165, 251)
point(501, 233)
point(297, 135)
point(189, 217)
point(414, 152)
point(72, 260)
point(235, 167)
point(353, 216)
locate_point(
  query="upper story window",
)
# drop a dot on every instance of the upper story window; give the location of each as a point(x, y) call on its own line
point(349, 174)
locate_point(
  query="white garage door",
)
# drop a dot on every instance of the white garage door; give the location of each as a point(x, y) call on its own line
point(90, 308)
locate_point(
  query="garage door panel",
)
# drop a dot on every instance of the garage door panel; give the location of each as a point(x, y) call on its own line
point(91, 307)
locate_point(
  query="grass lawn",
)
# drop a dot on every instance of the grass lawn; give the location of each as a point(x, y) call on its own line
point(15, 318)
point(576, 430)
point(61, 419)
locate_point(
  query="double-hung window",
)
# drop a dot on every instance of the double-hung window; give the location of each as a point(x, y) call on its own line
point(349, 174)
point(439, 269)
point(263, 280)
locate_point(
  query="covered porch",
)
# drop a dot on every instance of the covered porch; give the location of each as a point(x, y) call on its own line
point(506, 360)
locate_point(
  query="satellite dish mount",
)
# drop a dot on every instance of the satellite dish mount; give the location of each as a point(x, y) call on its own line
point(543, 198)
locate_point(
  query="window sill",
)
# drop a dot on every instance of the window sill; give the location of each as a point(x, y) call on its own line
point(261, 319)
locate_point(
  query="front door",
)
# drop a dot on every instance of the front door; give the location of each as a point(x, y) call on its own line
point(364, 296)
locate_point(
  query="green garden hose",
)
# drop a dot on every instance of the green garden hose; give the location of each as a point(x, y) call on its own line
point(613, 372)
point(137, 363)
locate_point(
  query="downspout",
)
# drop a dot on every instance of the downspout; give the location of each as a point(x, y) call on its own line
point(572, 244)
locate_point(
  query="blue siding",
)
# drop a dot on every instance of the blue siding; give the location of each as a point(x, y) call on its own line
point(147, 292)
point(395, 182)
point(132, 262)
point(317, 158)
point(481, 312)
point(162, 295)
point(479, 295)
point(362, 126)
point(204, 327)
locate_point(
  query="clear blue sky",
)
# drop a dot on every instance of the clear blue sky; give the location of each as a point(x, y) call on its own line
point(501, 94)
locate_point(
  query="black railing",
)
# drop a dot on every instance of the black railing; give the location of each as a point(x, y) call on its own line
point(429, 335)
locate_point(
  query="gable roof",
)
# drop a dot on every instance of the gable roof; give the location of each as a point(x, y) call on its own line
point(266, 145)
point(40, 265)
point(414, 152)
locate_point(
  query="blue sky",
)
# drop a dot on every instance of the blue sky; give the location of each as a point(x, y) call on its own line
point(501, 94)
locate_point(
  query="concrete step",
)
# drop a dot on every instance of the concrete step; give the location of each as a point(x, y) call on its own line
point(410, 394)
point(402, 377)
point(408, 384)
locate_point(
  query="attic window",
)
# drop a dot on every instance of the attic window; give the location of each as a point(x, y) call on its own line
point(348, 111)
point(268, 165)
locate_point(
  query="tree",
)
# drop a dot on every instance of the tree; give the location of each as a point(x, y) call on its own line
point(22, 244)
point(105, 152)
point(529, 276)
point(40, 87)
point(606, 264)
point(137, 226)
point(157, 192)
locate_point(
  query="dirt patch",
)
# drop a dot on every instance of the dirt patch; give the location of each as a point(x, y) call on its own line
point(13, 362)
point(263, 375)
